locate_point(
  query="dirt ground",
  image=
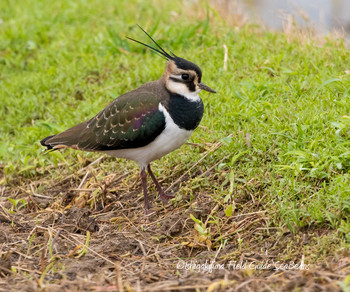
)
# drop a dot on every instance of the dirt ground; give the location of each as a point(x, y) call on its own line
point(86, 234)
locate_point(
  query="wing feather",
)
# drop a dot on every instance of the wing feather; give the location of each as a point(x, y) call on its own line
point(130, 121)
point(125, 123)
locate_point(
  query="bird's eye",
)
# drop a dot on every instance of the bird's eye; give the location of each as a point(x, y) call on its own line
point(185, 76)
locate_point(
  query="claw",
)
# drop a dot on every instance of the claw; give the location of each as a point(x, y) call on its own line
point(165, 197)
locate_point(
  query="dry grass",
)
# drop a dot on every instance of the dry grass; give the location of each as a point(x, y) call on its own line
point(56, 242)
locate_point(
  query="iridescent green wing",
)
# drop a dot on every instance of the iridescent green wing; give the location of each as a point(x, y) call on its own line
point(131, 121)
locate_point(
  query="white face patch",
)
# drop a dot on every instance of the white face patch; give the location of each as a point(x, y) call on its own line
point(182, 89)
point(178, 77)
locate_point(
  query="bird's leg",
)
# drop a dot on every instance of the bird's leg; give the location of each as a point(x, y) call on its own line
point(144, 187)
point(162, 195)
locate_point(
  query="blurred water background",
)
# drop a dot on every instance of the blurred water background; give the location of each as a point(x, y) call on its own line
point(323, 16)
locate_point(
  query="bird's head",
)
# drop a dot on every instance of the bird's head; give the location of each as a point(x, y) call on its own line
point(184, 77)
point(180, 76)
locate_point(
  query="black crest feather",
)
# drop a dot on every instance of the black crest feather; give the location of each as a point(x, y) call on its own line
point(180, 62)
point(160, 50)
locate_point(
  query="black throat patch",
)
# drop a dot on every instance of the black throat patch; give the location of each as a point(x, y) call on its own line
point(185, 113)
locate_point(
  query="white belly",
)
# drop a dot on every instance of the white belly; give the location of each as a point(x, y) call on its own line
point(170, 139)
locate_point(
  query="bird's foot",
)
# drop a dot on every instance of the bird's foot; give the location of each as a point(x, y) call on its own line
point(165, 197)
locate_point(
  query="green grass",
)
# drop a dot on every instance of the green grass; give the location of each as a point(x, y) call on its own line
point(61, 63)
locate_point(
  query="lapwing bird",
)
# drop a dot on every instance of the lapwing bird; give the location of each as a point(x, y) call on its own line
point(146, 123)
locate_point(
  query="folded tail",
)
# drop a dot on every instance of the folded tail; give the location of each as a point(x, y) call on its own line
point(43, 142)
point(66, 139)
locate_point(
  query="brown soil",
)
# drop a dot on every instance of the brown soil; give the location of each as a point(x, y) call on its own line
point(43, 245)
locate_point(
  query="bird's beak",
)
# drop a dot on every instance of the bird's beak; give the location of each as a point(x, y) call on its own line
point(206, 87)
